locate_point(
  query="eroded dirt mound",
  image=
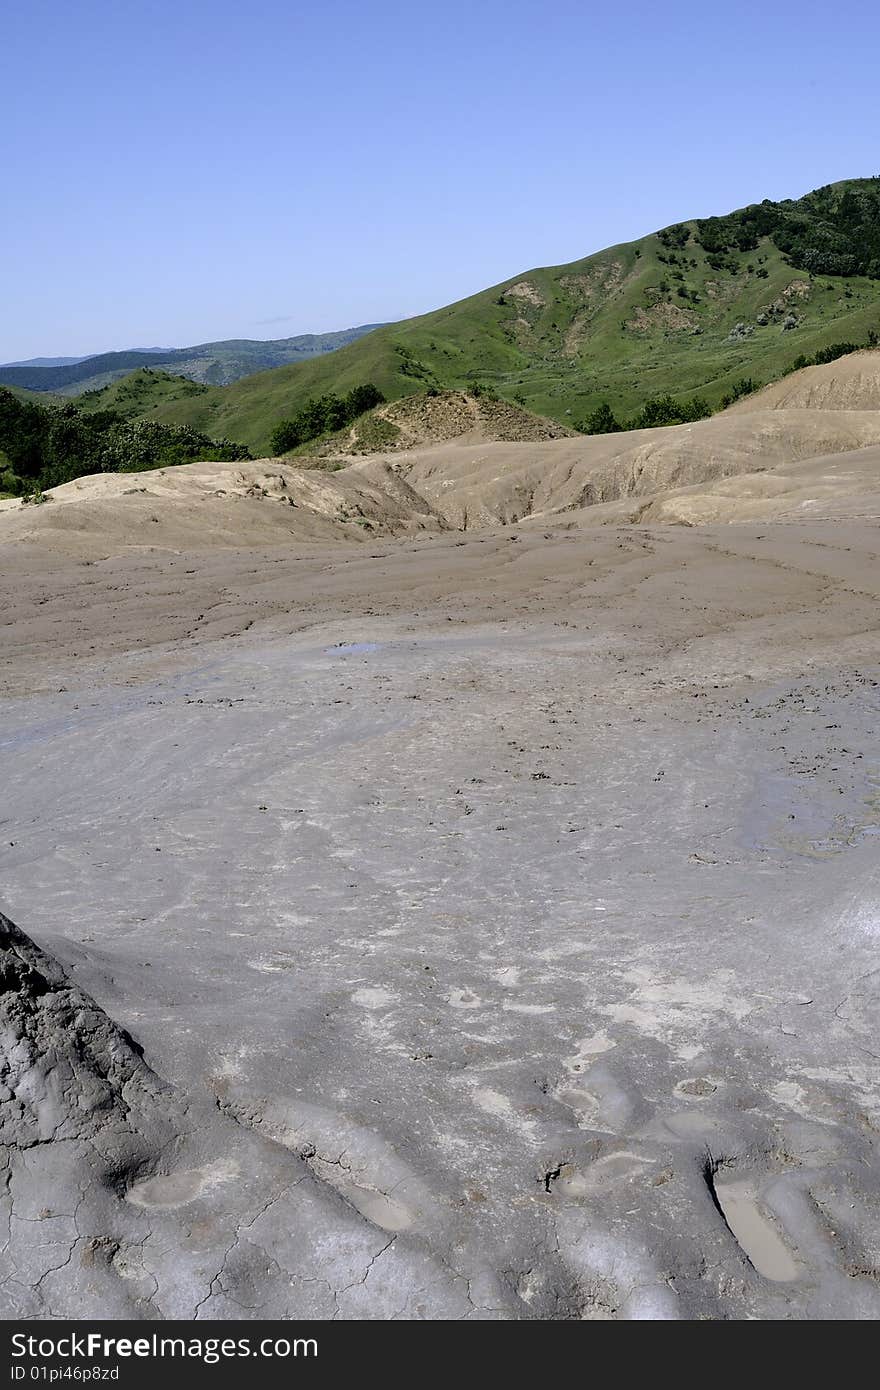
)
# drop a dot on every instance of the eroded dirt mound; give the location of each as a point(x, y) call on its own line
point(837, 486)
point(263, 502)
point(849, 383)
point(497, 483)
point(468, 483)
point(417, 421)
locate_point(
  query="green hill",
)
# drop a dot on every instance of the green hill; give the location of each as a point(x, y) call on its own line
point(139, 393)
point(693, 308)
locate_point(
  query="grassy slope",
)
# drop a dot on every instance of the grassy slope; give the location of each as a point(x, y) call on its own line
point(43, 398)
point(572, 342)
point(143, 392)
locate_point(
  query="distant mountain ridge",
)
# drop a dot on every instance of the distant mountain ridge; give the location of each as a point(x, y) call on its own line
point(214, 364)
point(43, 362)
point(70, 361)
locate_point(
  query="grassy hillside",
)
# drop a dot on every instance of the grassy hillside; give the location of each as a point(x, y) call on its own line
point(690, 309)
point(216, 363)
point(40, 397)
point(138, 394)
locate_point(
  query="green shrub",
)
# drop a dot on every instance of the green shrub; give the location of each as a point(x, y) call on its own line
point(601, 421)
point(666, 410)
point(741, 388)
point(324, 416)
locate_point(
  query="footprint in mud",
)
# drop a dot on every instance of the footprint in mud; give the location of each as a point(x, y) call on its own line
point(745, 1203)
point(358, 1164)
point(378, 1207)
point(611, 1170)
point(600, 1101)
point(176, 1189)
point(697, 1117)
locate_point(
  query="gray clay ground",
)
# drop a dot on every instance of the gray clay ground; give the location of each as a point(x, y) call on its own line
point(508, 951)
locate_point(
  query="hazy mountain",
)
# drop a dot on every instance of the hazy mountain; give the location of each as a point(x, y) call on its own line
point(215, 363)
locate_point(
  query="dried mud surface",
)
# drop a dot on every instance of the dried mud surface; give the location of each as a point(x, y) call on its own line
point(456, 925)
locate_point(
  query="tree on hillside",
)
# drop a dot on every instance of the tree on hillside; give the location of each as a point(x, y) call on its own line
point(601, 421)
point(24, 430)
point(285, 436)
point(360, 399)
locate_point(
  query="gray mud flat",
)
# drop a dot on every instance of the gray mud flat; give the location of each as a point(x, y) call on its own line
point(479, 928)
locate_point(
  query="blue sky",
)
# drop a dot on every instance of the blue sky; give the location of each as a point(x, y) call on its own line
point(180, 172)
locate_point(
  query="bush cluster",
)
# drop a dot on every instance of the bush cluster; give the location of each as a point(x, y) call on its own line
point(831, 231)
point(42, 446)
point(659, 410)
point(324, 416)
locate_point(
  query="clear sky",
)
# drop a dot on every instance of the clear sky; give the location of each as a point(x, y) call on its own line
point(176, 171)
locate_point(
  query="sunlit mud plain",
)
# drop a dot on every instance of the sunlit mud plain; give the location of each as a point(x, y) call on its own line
point(487, 921)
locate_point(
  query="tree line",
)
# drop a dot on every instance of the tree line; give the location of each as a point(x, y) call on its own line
point(43, 446)
point(659, 410)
